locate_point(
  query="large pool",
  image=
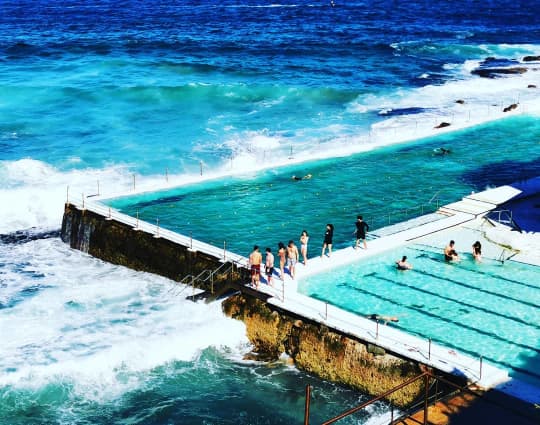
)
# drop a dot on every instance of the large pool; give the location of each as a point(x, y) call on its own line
point(386, 185)
point(491, 309)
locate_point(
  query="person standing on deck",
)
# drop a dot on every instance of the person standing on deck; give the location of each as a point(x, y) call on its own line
point(282, 254)
point(328, 236)
point(255, 260)
point(361, 229)
point(304, 238)
point(269, 265)
point(292, 257)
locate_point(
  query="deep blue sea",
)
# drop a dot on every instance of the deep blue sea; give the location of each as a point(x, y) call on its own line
point(105, 95)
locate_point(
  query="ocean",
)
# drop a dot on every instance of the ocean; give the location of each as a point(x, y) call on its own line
point(103, 96)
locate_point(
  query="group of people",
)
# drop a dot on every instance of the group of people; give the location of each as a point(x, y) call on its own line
point(289, 255)
point(450, 253)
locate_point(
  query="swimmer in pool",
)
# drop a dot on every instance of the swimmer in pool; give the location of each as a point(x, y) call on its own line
point(403, 264)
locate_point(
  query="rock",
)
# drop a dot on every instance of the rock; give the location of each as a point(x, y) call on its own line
point(442, 125)
point(510, 107)
point(531, 86)
point(531, 58)
point(460, 101)
point(377, 351)
point(496, 72)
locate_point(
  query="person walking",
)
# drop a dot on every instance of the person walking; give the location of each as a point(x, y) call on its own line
point(304, 238)
point(361, 229)
point(328, 236)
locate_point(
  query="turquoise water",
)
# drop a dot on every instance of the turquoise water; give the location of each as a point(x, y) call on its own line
point(268, 207)
point(103, 91)
point(487, 309)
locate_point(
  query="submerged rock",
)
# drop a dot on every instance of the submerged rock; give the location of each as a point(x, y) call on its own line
point(531, 58)
point(497, 72)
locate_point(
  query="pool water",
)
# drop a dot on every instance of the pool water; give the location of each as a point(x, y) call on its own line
point(386, 185)
point(488, 309)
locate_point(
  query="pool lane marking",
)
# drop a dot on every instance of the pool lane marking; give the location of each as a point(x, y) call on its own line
point(445, 319)
point(517, 282)
point(452, 300)
point(466, 285)
point(436, 339)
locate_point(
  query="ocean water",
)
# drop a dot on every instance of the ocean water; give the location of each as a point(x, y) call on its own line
point(115, 94)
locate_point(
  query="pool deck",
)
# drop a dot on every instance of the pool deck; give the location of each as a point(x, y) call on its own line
point(462, 221)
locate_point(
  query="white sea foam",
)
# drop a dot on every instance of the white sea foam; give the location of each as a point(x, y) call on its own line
point(33, 192)
point(96, 329)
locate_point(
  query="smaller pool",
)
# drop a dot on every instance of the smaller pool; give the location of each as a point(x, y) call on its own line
point(489, 309)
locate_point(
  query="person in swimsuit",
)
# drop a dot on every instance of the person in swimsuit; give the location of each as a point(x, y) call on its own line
point(403, 264)
point(282, 254)
point(304, 238)
point(255, 260)
point(477, 251)
point(269, 265)
point(385, 319)
point(361, 229)
point(292, 257)
point(450, 253)
point(327, 243)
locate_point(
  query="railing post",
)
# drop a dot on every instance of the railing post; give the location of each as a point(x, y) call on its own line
point(137, 225)
point(190, 240)
point(200, 167)
point(224, 250)
point(157, 227)
point(391, 413)
point(326, 311)
point(283, 290)
point(83, 202)
point(134, 182)
point(481, 361)
point(426, 397)
point(306, 410)
point(67, 194)
point(429, 349)
point(98, 188)
point(377, 329)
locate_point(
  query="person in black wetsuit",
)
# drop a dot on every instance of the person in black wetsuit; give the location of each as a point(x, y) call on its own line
point(361, 229)
point(328, 236)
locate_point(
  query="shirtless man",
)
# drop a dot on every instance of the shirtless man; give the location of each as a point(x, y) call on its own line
point(450, 253)
point(255, 259)
point(292, 257)
point(403, 264)
point(269, 265)
point(282, 254)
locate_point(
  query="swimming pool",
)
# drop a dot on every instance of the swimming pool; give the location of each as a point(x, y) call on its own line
point(267, 207)
point(490, 309)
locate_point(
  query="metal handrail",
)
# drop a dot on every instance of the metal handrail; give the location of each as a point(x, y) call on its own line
point(427, 376)
point(499, 218)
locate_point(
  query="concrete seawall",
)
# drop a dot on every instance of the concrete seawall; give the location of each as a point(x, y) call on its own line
point(120, 243)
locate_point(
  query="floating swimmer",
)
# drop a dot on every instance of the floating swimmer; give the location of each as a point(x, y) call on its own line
point(297, 178)
point(382, 318)
point(441, 151)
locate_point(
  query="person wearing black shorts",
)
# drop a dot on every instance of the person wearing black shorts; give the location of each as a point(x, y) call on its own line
point(361, 229)
point(328, 236)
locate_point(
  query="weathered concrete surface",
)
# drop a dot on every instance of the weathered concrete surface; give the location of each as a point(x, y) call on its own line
point(323, 351)
point(119, 243)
